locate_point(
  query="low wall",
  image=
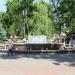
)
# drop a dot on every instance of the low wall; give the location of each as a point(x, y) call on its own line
point(36, 47)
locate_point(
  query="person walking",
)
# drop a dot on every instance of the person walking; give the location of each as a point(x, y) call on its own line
point(10, 45)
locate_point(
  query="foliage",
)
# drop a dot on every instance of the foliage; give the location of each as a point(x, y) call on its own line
point(41, 23)
point(2, 31)
point(13, 19)
point(72, 26)
point(38, 18)
point(24, 17)
point(63, 13)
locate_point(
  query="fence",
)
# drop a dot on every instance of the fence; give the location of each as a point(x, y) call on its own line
point(3, 47)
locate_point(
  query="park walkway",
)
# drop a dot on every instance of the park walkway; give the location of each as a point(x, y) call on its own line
point(37, 64)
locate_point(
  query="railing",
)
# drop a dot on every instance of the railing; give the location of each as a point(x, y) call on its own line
point(69, 47)
point(37, 47)
point(3, 47)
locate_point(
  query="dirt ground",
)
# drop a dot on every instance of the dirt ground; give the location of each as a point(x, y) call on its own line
point(37, 64)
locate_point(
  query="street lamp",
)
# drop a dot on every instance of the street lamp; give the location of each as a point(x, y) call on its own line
point(24, 12)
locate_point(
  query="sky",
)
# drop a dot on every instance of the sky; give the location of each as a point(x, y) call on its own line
point(2, 5)
point(3, 2)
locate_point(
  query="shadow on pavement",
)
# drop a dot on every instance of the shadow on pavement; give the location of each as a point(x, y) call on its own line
point(14, 56)
point(57, 58)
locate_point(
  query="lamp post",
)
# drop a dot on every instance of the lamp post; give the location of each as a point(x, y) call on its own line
point(63, 34)
point(23, 23)
point(24, 12)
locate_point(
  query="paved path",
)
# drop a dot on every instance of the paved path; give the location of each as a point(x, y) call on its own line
point(48, 64)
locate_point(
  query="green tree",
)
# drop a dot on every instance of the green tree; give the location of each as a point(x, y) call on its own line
point(41, 23)
point(72, 26)
point(64, 13)
point(11, 17)
point(2, 34)
point(14, 16)
point(67, 9)
point(2, 30)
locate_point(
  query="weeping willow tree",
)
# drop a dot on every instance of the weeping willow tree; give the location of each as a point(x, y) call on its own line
point(25, 16)
point(41, 22)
